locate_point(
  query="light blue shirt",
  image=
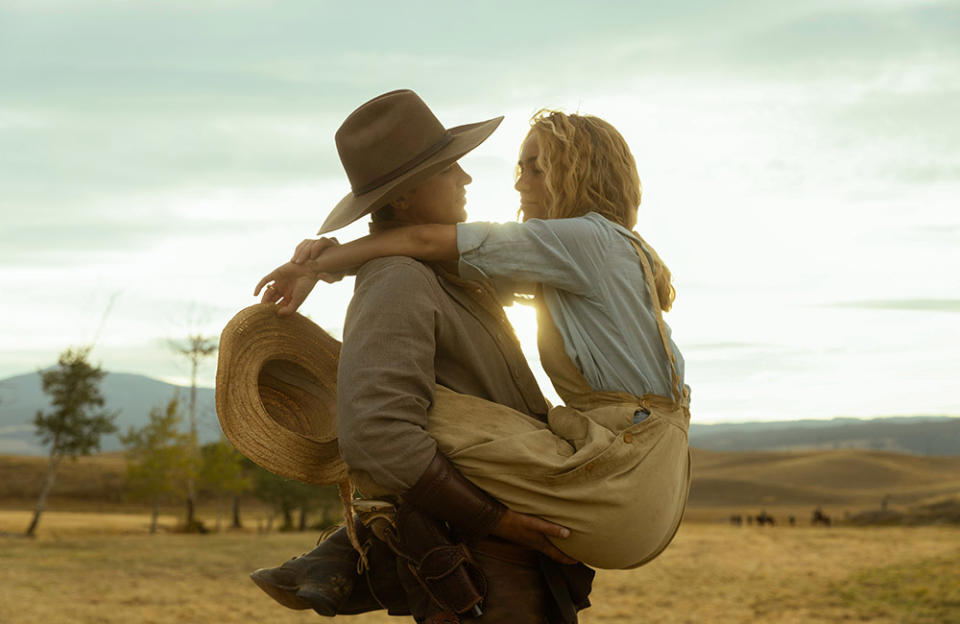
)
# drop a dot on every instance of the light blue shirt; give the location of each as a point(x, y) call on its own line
point(594, 288)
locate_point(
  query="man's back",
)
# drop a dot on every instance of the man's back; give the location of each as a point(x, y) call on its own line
point(407, 329)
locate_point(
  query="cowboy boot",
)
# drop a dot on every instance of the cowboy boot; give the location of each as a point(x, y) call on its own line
point(326, 578)
point(322, 579)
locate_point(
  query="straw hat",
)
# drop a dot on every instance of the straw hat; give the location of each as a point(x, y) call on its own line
point(277, 394)
point(389, 146)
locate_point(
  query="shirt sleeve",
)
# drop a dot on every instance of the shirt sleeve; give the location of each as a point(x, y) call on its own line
point(563, 253)
point(386, 376)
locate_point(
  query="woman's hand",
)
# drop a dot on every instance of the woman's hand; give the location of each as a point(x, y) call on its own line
point(310, 248)
point(533, 532)
point(287, 286)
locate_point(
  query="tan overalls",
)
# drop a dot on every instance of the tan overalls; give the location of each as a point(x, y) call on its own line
point(619, 486)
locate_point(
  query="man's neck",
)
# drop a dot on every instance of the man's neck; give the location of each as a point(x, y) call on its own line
point(449, 266)
point(382, 226)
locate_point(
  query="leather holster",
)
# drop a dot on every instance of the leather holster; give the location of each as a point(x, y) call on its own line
point(437, 573)
point(429, 558)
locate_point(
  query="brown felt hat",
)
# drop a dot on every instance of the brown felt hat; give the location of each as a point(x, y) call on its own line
point(389, 146)
point(277, 394)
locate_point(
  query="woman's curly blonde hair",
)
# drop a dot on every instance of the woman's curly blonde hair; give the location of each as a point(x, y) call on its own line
point(588, 167)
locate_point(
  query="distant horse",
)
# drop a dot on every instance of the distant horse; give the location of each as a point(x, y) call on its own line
point(765, 518)
point(819, 518)
point(736, 520)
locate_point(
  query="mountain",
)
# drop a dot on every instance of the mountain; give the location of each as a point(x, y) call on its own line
point(133, 395)
point(921, 435)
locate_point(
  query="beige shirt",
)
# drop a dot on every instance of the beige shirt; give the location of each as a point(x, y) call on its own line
point(409, 327)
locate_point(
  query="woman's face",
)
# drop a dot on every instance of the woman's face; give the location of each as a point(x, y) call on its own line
point(532, 182)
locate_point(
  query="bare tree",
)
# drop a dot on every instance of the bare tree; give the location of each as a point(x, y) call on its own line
point(195, 348)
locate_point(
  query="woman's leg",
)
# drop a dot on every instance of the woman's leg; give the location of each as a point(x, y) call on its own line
point(619, 492)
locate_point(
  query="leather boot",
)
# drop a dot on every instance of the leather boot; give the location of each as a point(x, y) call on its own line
point(322, 579)
point(326, 578)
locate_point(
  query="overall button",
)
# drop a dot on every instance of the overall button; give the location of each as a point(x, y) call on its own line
point(628, 438)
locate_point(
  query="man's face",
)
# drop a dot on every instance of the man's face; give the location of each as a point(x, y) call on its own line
point(441, 199)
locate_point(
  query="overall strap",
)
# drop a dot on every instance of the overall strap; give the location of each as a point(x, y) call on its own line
point(655, 299)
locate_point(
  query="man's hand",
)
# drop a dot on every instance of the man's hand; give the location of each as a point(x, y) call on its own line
point(291, 283)
point(533, 532)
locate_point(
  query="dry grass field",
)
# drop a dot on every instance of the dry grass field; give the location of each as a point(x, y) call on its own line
point(711, 573)
point(94, 562)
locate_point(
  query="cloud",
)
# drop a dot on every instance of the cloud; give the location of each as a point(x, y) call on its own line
point(124, 95)
point(178, 150)
point(76, 154)
point(839, 36)
point(918, 305)
point(937, 233)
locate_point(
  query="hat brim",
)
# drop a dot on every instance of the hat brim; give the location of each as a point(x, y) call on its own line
point(352, 207)
point(276, 394)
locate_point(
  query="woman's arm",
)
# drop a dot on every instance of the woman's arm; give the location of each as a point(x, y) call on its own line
point(567, 254)
point(423, 242)
point(288, 285)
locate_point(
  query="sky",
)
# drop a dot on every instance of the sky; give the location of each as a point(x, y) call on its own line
point(800, 165)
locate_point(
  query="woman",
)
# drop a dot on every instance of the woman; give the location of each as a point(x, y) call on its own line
point(612, 465)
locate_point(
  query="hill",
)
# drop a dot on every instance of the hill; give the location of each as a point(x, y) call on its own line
point(854, 478)
point(133, 395)
point(847, 479)
point(924, 435)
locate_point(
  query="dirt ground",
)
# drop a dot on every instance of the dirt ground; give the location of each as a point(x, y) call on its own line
point(711, 573)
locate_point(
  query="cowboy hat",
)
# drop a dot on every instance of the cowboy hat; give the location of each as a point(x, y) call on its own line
point(389, 146)
point(276, 394)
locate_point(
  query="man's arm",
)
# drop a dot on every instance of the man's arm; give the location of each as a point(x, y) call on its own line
point(446, 494)
point(386, 375)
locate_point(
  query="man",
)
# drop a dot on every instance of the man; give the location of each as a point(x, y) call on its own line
point(411, 326)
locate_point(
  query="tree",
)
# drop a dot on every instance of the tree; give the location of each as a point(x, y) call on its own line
point(285, 496)
point(77, 420)
point(159, 461)
point(221, 471)
point(194, 348)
